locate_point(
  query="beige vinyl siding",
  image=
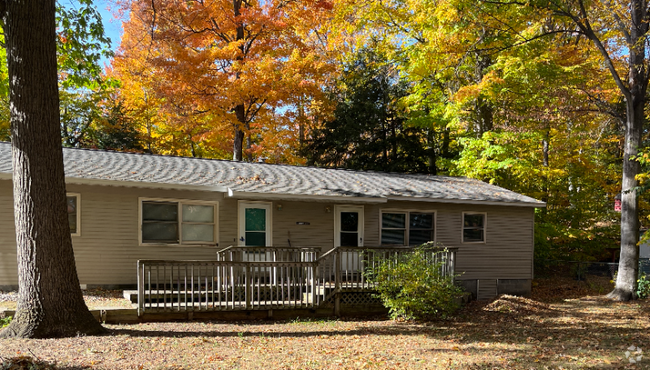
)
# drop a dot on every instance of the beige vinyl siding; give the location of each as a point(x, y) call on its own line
point(108, 247)
point(508, 250)
point(319, 232)
point(8, 257)
point(373, 223)
point(228, 219)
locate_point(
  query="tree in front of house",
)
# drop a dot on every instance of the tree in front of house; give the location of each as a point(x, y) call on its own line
point(50, 303)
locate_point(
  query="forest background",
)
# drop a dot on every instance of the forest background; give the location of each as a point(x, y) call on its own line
point(497, 91)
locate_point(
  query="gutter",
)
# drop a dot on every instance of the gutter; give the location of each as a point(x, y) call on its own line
point(132, 184)
point(469, 201)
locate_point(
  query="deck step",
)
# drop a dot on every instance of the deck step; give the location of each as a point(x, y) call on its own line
point(168, 296)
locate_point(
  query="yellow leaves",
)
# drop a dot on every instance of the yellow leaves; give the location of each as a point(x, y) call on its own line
point(643, 178)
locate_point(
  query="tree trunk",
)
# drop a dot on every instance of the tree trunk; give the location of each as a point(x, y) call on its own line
point(624, 289)
point(240, 110)
point(637, 81)
point(50, 302)
point(431, 151)
point(249, 145)
point(546, 165)
point(238, 144)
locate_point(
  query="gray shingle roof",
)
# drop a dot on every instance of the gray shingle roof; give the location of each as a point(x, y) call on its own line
point(272, 179)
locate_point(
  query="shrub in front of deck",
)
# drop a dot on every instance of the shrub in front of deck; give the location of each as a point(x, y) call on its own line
point(413, 287)
point(643, 287)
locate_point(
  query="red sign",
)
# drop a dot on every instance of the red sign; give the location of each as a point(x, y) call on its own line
point(617, 205)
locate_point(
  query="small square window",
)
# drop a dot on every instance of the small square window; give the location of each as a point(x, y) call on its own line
point(474, 227)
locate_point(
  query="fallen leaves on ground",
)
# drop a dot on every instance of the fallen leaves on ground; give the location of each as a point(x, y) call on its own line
point(24, 363)
point(542, 331)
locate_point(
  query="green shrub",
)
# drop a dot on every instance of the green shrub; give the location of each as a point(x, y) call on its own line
point(5, 321)
point(412, 286)
point(643, 287)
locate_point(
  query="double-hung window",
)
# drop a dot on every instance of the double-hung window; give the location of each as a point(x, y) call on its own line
point(74, 215)
point(474, 224)
point(178, 222)
point(407, 227)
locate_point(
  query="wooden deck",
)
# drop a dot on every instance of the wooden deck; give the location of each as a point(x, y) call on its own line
point(254, 279)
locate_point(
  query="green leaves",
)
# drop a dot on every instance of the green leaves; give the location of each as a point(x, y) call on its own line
point(80, 46)
point(5, 321)
point(412, 287)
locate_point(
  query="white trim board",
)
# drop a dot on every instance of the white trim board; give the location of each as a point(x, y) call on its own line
point(469, 201)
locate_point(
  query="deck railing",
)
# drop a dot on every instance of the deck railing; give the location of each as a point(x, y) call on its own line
point(223, 285)
point(238, 282)
point(350, 266)
point(268, 254)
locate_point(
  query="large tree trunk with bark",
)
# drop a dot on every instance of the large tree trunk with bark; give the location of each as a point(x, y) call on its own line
point(629, 256)
point(50, 302)
point(635, 99)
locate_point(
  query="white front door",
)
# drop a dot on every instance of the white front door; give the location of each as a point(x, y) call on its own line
point(348, 226)
point(348, 232)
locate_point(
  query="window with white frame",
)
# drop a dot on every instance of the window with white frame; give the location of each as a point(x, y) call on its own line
point(178, 222)
point(74, 215)
point(407, 227)
point(474, 227)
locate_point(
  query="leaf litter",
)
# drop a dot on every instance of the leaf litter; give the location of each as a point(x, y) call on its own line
point(563, 325)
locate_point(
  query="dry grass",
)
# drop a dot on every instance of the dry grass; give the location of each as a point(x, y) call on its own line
point(580, 331)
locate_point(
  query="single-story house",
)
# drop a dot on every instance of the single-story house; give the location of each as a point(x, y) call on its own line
point(124, 207)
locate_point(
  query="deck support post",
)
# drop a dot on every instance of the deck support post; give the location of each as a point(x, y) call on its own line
point(140, 288)
point(314, 284)
point(337, 282)
point(248, 286)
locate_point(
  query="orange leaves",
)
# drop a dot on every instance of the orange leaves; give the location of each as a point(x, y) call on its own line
point(214, 67)
point(484, 87)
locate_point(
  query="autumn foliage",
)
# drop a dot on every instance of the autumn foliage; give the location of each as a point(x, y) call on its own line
point(214, 77)
point(516, 94)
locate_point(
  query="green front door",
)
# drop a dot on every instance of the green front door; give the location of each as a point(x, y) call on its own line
point(255, 224)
